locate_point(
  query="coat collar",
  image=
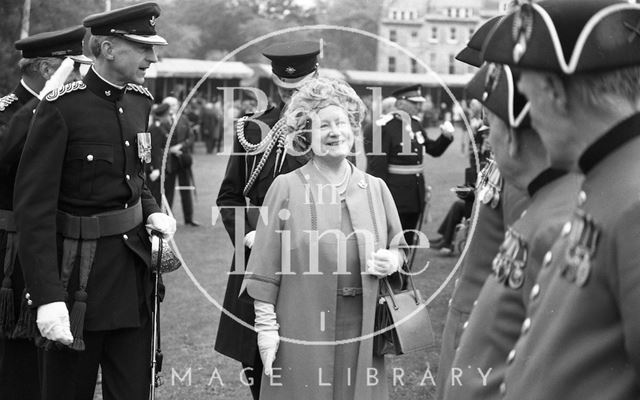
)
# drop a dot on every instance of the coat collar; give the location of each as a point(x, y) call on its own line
point(100, 87)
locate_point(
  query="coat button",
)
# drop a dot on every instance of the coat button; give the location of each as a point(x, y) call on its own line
point(511, 356)
point(526, 325)
point(121, 110)
point(90, 157)
point(27, 296)
point(464, 326)
point(126, 205)
point(582, 197)
point(125, 236)
point(566, 228)
point(475, 303)
point(128, 176)
point(547, 259)
point(503, 388)
point(450, 301)
point(535, 291)
point(29, 302)
point(126, 143)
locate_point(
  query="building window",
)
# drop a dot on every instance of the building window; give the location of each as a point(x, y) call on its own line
point(453, 34)
point(452, 67)
point(394, 14)
point(449, 12)
point(434, 34)
point(457, 13)
point(393, 36)
point(433, 57)
point(414, 66)
point(414, 34)
point(402, 15)
point(392, 64)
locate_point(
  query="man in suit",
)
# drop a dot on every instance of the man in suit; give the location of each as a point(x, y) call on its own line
point(250, 172)
point(81, 206)
point(18, 356)
point(580, 70)
point(399, 161)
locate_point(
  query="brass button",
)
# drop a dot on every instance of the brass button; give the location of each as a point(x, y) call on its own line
point(450, 301)
point(582, 197)
point(475, 303)
point(90, 157)
point(126, 205)
point(29, 302)
point(27, 296)
point(121, 110)
point(566, 228)
point(128, 176)
point(548, 256)
point(526, 325)
point(503, 388)
point(126, 143)
point(535, 291)
point(511, 356)
point(464, 326)
point(125, 237)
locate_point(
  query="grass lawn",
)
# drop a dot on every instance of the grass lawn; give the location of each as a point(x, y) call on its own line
point(193, 370)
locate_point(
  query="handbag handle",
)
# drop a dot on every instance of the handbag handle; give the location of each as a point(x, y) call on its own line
point(416, 297)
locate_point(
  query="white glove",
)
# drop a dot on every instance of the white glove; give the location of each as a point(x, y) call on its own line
point(249, 238)
point(155, 174)
point(384, 262)
point(53, 322)
point(268, 338)
point(447, 129)
point(162, 223)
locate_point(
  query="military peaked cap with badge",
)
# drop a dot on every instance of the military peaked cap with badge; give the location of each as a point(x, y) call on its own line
point(411, 93)
point(472, 53)
point(136, 23)
point(292, 62)
point(568, 36)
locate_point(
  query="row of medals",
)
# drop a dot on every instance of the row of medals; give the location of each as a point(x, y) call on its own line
point(508, 265)
point(582, 240)
point(490, 184)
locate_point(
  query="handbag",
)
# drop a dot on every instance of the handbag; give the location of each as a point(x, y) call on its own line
point(404, 321)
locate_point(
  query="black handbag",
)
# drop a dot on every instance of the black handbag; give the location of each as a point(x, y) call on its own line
point(402, 321)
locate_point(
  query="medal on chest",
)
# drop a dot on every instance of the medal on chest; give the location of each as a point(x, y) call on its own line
point(144, 147)
point(490, 184)
point(582, 240)
point(508, 265)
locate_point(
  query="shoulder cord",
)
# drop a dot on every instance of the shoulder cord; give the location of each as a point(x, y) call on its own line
point(276, 136)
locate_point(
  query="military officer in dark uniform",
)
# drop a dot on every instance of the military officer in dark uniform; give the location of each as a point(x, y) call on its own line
point(81, 207)
point(580, 70)
point(248, 176)
point(159, 135)
point(496, 319)
point(498, 205)
point(398, 162)
point(18, 356)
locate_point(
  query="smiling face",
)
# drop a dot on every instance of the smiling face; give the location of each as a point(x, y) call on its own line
point(332, 135)
point(131, 60)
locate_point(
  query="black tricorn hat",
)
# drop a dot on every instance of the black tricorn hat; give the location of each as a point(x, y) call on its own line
point(136, 23)
point(494, 86)
point(60, 43)
point(472, 53)
point(568, 36)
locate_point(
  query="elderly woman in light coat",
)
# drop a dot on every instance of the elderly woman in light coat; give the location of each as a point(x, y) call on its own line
point(331, 232)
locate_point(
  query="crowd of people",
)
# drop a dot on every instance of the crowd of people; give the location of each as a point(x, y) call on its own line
point(545, 303)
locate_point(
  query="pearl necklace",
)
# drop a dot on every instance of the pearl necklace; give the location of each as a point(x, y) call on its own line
point(341, 187)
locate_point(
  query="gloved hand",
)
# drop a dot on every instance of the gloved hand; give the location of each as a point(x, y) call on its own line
point(53, 322)
point(162, 223)
point(249, 238)
point(155, 174)
point(447, 129)
point(268, 338)
point(385, 262)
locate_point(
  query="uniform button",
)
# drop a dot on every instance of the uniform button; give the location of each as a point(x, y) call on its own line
point(535, 291)
point(464, 326)
point(566, 228)
point(126, 205)
point(526, 325)
point(475, 303)
point(125, 236)
point(29, 302)
point(27, 296)
point(450, 301)
point(90, 157)
point(126, 143)
point(503, 388)
point(128, 177)
point(418, 175)
point(511, 356)
point(121, 110)
point(547, 258)
point(582, 197)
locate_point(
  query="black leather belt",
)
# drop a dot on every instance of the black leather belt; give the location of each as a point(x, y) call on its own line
point(99, 225)
point(350, 291)
point(7, 223)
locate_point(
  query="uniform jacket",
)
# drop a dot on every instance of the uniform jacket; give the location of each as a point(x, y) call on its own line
point(408, 190)
point(496, 320)
point(182, 134)
point(583, 335)
point(12, 102)
point(81, 157)
point(476, 267)
point(298, 297)
point(233, 339)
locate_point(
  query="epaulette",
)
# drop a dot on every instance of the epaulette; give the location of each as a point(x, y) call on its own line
point(7, 100)
point(384, 119)
point(140, 89)
point(68, 88)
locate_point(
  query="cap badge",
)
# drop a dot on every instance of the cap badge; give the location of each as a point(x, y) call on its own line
point(290, 70)
point(152, 21)
point(491, 80)
point(635, 31)
point(521, 31)
point(107, 92)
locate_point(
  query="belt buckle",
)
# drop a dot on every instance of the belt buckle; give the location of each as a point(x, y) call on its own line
point(349, 291)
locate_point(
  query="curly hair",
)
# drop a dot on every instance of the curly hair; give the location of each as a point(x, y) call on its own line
point(315, 95)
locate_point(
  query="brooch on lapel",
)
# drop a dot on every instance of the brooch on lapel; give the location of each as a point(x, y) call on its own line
point(362, 184)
